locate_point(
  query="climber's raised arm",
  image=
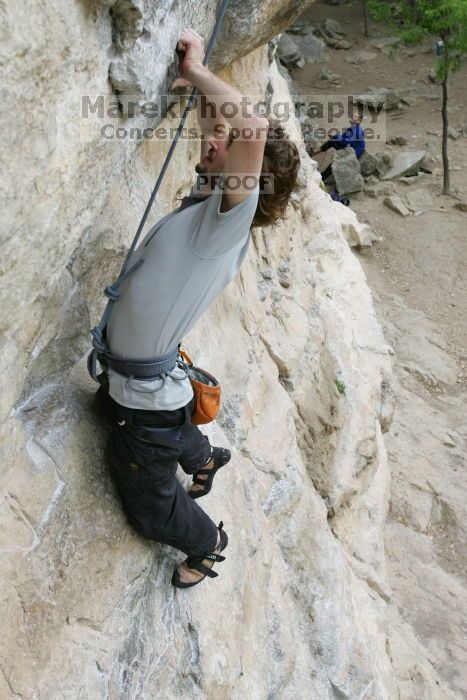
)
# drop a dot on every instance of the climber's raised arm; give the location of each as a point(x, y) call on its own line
point(248, 131)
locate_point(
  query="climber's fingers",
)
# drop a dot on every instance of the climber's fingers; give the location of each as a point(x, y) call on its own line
point(180, 82)
point(190, 52)
point(193, 41)
point(198, 35)
point(193, 33)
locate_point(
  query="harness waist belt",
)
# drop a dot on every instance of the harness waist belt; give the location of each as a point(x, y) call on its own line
point(168, 436)
point(149, 368)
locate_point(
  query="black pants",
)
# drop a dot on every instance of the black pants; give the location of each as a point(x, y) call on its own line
point(338, 145)
point(154, 500)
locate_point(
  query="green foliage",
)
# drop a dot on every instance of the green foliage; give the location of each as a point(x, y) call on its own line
point(417, 20)
point(340, 386)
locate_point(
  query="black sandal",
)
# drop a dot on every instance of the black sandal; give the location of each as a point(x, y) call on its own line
point(221, 456)
point(197, 563)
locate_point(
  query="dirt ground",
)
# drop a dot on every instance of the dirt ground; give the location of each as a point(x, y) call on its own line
point(417, 271)
point(415, 249)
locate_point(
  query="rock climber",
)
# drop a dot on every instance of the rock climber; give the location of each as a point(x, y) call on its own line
point(190, 256)
point(352, 135)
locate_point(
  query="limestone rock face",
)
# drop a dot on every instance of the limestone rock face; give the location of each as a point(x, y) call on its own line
point(88, 611)
point(145, 33)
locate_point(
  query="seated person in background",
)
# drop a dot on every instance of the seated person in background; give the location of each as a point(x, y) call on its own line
point(352, 135)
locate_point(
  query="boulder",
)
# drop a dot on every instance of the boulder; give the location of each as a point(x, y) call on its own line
point(407, 163)
point(331, 28)
point(346, 171)
point(382, 189)
point(376, 97)
point(310, 46)
point(288, 52)
point(338, 43)
point(298, 27)
point(397, 141)
point(371, 179)
point(384, 42)
point(462, 206)
point(367, 164)
point(327, 74)
point(396, 204)
point(384, 162)
point(453, 133)
point(418, 200)
point(409, 100)
point(359, 57)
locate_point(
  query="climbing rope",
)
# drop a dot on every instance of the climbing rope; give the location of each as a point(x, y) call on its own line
point(112, 291)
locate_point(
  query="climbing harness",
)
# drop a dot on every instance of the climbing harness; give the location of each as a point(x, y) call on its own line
point(155, 367)
point(169, 436)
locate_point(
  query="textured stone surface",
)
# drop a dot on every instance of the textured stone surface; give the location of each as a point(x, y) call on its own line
point(407, 163)
point(426, 526)
point(358, 57)
point(378, 98)
point(396, 204)
point(367, 164)
point(310, 47)
point(346, 171)
point(145, 33)
point(332, 27)
point(288, 53)
point(384, 162)
point(88, 611)
point(327, 74)
point(419, 200)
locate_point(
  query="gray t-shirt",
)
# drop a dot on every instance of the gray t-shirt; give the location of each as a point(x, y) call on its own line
point(190, 256)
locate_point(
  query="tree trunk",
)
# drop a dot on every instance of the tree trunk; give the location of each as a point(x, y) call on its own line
point(444, 112)
point(365, 17)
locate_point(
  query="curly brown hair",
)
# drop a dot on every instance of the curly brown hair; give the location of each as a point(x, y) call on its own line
point(281, 160)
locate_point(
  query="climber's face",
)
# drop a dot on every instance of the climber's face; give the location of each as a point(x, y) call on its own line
point(216, 155)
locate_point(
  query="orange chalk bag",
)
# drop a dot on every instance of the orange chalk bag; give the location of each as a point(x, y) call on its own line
point(207, 391)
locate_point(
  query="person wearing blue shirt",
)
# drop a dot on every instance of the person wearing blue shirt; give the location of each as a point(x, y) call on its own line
point(352, 135)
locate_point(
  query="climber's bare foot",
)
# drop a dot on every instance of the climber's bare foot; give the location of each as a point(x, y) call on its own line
point(203, 477)
point(188, 575)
